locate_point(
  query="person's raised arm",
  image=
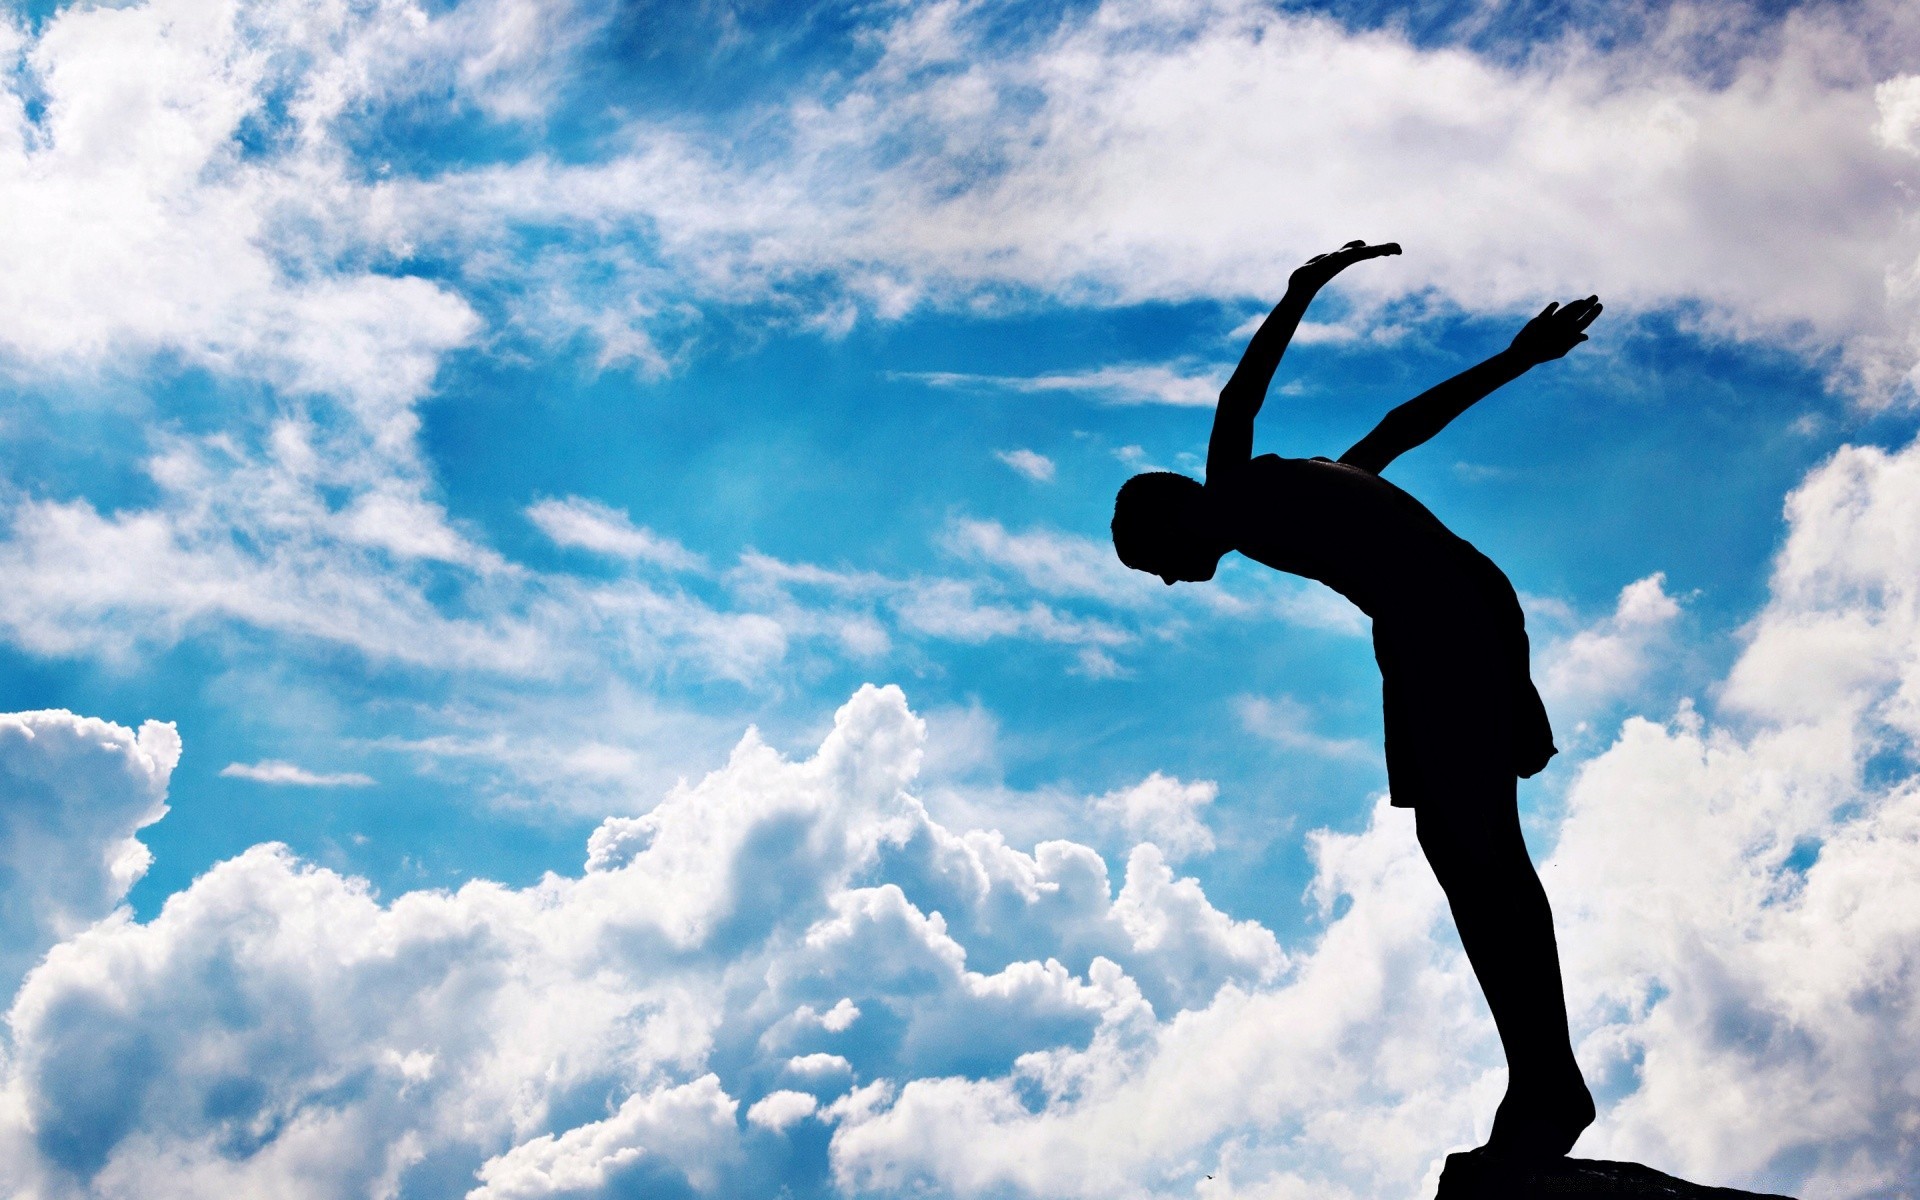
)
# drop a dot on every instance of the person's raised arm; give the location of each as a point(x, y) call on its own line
point(1548, 336)
point(1232, 442)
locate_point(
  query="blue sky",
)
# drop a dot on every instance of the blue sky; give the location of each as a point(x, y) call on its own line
point(461, 423)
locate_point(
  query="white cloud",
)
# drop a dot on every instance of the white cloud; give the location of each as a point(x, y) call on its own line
point(1737, 924)
point(151, 234)
point(1898, 100)
point(820, 1063)
point(471, 1024)
point(952, 609)
point(690, 1127)
point(73, 792)
point(1839, 638)
point(1184, 384)
point(1289, 723)
point(590, 525)
point(1341, 1065)
point(1095, 663)
point(780, 1109)
point(1059, 564)
point(1163, 810)
point(1607, 661)
point(1316, 606)
point(1753, 178)
point(1035, 466)
point(274, 771)
point(158, 239)
point(249, 538)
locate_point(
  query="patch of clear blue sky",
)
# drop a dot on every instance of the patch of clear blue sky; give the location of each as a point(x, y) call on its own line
point(1645, 452)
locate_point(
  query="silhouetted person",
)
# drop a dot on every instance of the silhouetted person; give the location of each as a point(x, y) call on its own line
point(1463, 719)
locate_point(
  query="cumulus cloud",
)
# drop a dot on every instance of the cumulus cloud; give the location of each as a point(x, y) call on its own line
point(295, 1034)
point(1605, 662)
point(688, 1130)
point(1340, 1063)
point(1163, 810)
point(1735, 891)
point(73, 792)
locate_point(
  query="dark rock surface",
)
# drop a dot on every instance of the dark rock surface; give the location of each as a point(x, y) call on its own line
point(1473, 1176)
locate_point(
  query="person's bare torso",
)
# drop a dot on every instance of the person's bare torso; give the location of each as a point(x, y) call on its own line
point(1360, 535)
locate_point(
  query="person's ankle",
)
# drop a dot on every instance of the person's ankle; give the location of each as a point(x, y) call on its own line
point(1539, 1120)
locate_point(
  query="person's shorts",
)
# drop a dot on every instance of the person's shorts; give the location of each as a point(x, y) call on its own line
point(1459, 705)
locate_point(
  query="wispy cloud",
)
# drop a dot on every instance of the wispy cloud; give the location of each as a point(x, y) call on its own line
point(1061, 166)
point(1186, 385)
point(286, 774)
point(590, 525)
point(1057, 563)
point(1285, 721)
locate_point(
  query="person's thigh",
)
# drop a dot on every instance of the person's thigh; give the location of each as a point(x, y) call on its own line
point(1471, 824)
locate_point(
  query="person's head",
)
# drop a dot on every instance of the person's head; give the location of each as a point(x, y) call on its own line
point(1162, 525)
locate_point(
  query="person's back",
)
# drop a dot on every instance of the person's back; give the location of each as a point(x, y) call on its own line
point(1351, 530)
point(1462, 718)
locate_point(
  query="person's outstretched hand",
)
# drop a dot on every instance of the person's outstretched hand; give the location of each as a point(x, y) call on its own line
point(1319, 270)
point(1556, 330)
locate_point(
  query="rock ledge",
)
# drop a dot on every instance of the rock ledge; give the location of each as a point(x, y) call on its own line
point(1473, 1176)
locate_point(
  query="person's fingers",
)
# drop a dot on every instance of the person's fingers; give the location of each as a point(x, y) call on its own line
point(1586, 318)
point(1547, 311)
point(1353, 245)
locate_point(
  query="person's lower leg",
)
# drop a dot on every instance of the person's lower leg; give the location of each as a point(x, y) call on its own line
point(1514, 954)
point(1506, 928)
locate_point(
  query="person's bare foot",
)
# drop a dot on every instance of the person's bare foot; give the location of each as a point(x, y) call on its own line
point(1541, 1121)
